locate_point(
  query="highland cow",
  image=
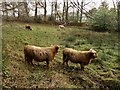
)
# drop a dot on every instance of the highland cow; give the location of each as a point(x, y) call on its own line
point(61, 27)
point(28, 27)
point(81, 57)
point(40, 54)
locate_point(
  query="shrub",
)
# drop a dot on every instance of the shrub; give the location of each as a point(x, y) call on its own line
point(103, 20)
point(68, 45)
point(51, 18)
point(38, 19)
point(70, 39)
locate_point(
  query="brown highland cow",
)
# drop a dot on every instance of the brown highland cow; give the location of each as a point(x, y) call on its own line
point(28, 27)
point(81, 57)
point(40, 54)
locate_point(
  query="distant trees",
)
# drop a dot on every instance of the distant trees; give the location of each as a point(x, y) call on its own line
point(55, 14)
point(15, 9)
point(44, 6)
point(66, 11)
point(80, 6)
point(23, 9)
point(13, 5)
point(6, 6)
point(103, 19)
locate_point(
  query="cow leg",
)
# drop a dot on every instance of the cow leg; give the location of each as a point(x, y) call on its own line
point(64, 59)
point(26, 59)
point(67, 62)
point(29, 61)
point(82, 67)
point(47, 61)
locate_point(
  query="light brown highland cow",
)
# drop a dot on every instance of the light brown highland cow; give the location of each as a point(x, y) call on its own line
point(81, 57)
point(40, 54)
point(61, 27)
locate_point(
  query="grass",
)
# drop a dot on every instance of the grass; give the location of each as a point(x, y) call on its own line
point(102, 72)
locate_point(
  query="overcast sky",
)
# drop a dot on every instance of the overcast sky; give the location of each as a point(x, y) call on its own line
point(110, 3)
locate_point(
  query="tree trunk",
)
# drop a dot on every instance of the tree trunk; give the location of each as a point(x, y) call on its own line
point(26, 9)
point(52, 9)
point(78, 11)
point(81, 11)
point(45, 10)
point(55, 9)
point(13, 5)
point(66, 16)
point(6, 10)
point(77, 15)
point(35, 16)
point(18, 9)
point(63, 11)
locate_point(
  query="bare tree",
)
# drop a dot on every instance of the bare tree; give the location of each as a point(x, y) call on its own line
point(23, 10)
point(27, 10)
point(81, 11)
point(52, 4)
point(13, 5)
point(43, 4)
point(80, 6)
point(36, 8)
point(66, 11)
point(63, 15)
point(45, 10)
point(5, 8)
point(11, 8)
point(78, 10)
point(73, 15)
point(114, 4)
point(19, 4)
point(55, 9)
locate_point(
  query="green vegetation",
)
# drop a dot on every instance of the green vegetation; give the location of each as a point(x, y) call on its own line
point(103, 19)
point(104, 72)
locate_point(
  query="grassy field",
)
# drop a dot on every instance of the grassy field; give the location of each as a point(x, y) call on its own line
point(104, 72)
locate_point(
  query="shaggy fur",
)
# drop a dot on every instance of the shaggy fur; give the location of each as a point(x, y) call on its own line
point(81, 57)
point(28, 27)
point(40, 54)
